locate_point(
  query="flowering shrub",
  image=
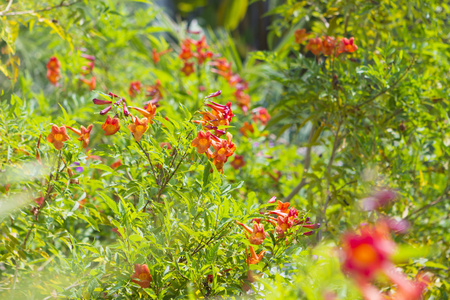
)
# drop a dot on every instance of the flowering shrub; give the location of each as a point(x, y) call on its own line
point(141, 158)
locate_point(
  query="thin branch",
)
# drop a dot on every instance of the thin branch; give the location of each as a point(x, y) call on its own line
point(306, 164)
point(438, 200)
point(150, 161)
point(26, 12)
point(330, 163)
point(7, 7)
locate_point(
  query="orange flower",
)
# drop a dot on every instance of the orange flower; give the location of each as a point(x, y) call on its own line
point(188, 68)
point(242, 99)
point(254, 259)
point(83, 133)
point(156, 55)
point(202, 56)
point(90, 83)
point(202, 142)
point(223, 148)
point(222, 112)
point(282, 209)
point(329, 45)
point(186, 52)
point(246, 128)
point(116, 164)
point(257, 233)
point(221, 64)
point(53, 64)
point(138, 127)
point(238, 162)
point(347, 46)
point(111, 126)
point(154, 91)
point(58, 136)
point(53, 77)
point(135, 88)
point(369, 252)
point(262, 115)
point(283, 224)
point(53, 70)
point(141, 276)
point(301, 35)
point(315, 46)
point(149, 112)
point(219, 164)
point(81, 203)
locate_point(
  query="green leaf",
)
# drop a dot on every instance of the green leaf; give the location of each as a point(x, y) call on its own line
point(110, 202)
point(206, 173)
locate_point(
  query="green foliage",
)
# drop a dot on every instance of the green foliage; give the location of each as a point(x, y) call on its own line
point(340, 128)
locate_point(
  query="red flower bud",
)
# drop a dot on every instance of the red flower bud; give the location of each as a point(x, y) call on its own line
point(100, 102)
point(104, 111)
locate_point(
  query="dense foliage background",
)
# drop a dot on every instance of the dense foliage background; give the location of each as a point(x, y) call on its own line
point(327, 132)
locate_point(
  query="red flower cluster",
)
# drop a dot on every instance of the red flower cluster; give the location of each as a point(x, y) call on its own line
point(138, 126)
point(327, 45)
point(53, 70)
point(369, 253)
point(284, 224)
point(223, 148)
point(87, 69)
point(194, 49)
point(223, 68)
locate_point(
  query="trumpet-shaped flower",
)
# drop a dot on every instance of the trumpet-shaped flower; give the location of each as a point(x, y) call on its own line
point(157, 55)
point(148, 112)
point(242, 99)
point(367, 253)
point(141, 276)
point(202, 142)
point(257, 233)
point(135, 88)
point(58, 136)
point(111, 126)
point(186, 52)
point(53, 77)
point(328, 45)
point(91, 83)
point(347, 46)
point(221, 64)
point(283, 225)
point(222, 112)
point(261, 114)
point(254, 258)
point(282, 209)
point(315, 46)
point(223, 148)
point(83, 133)
point(247, 128)
point(154, 91)
point(238, 162)
point(53, 64)
point(301, 35)
point(138, 127)
point(188, 68)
